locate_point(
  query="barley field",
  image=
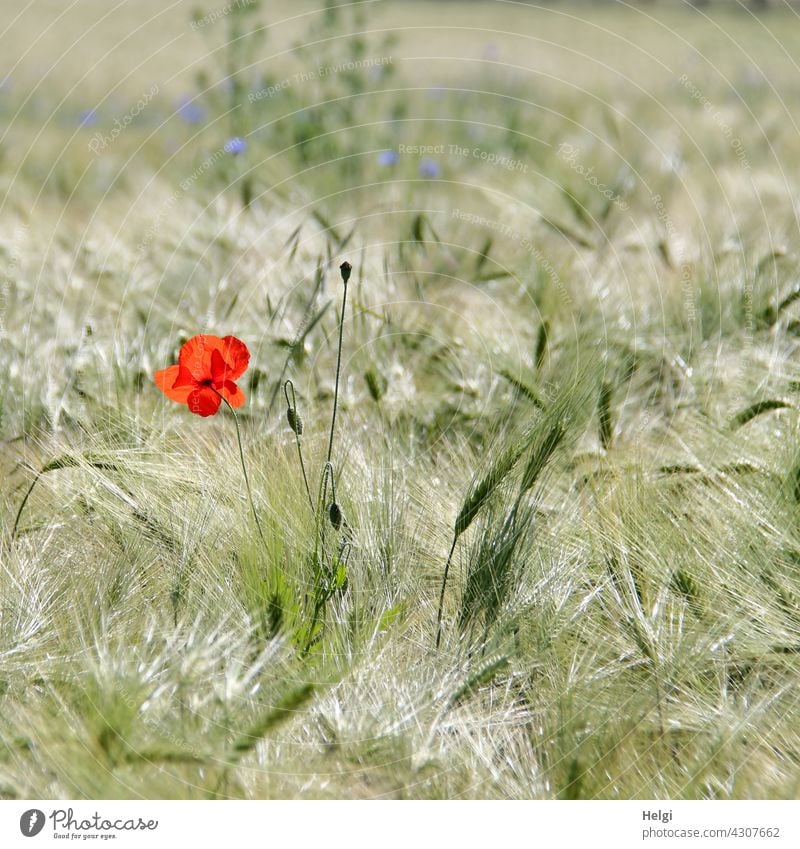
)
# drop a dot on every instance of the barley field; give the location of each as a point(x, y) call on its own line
point(540, 263)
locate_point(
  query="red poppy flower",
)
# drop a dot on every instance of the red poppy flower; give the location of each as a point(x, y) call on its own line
point(205, 374)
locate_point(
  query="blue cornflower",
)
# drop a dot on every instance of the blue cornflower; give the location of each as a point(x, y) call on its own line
point(88, 118)
point(430, 169)
point(190, 111)
point(235, 146)
point(388, 157)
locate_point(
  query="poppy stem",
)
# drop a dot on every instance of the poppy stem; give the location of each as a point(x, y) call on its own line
point(297, 428)
point(327, 476)
point(244, 468)
point(345, 271)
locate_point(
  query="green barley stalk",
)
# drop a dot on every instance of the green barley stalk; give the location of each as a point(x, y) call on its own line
point(544, 438)
point(474, 503)
point(52, 466)
point(757, 409)
point(605, 423)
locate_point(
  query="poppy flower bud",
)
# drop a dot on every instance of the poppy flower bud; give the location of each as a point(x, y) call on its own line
point(335, 515)
point(345, 268)
point(295, 422)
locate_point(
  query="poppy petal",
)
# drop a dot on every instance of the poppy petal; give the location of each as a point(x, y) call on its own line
point(236, 356)
point(232, 394)
point(195, 355)
point(203, 401)
point(184, 378)
point(165, 381)
point(219, 368)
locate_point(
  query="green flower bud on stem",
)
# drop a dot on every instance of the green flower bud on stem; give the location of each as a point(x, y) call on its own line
point(295, 421)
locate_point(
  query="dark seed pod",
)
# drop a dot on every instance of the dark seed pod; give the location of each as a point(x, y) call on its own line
point(345, 268)
point(335, 514)
point(295, 422)
point(376, 384)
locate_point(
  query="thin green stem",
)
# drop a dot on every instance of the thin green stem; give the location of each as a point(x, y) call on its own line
point(303, 470)
point(338, 371)
point(308, 322)
point(441, 595)
point(22, 505)
point(319, 605)
point(244, 468)
point(320, 593)
point(327, 473)
point(293, 407)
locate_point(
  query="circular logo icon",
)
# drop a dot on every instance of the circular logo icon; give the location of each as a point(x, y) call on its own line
point(31, 822)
